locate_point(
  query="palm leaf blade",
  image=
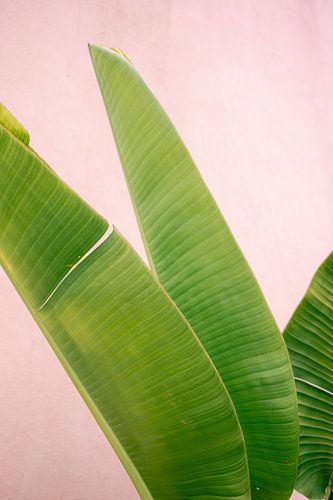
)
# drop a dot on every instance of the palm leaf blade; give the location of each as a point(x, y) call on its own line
point(309, 337)
point(134, 359)
point(198, 262)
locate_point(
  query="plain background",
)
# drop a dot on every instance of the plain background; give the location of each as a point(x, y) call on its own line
point(249, 85)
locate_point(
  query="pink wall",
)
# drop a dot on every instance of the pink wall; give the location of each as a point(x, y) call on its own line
point(249, 85)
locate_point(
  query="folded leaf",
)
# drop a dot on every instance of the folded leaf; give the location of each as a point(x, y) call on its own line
point(8, 121)
point(198, 262)
point(309, 337)
point(133, 357)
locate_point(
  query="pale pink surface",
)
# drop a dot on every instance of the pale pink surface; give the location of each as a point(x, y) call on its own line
point(249, 86)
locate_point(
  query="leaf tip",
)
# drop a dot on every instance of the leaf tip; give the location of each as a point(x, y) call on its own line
point(98, 49)
point(9, 122)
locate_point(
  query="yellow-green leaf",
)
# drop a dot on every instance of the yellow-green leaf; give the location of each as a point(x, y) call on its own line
point(198, 262)
point(133, 357)
point(8, 121)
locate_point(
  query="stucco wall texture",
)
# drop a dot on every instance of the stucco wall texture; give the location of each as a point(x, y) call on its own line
point(249, 85)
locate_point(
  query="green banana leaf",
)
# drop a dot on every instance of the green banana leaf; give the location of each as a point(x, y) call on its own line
point(194, 255)
point(131, 354)
point(309, 337)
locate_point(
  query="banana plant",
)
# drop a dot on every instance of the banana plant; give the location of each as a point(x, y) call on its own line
point(132, 355)
point(309, 337)
point(182, 365)
point(198, 262)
